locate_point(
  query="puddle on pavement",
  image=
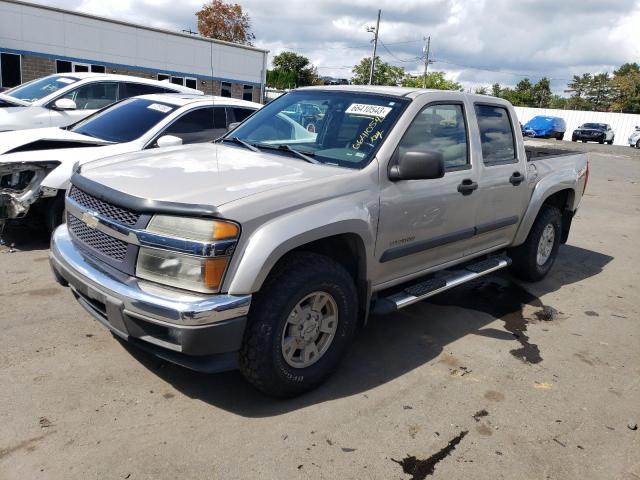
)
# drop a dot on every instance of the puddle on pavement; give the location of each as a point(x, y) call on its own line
point(506, 301)
point(420, 469)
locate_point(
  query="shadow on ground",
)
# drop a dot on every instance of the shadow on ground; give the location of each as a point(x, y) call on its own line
point(393, 345)
point(25, 236)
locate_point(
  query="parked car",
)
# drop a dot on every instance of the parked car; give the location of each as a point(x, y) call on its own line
point(267, 250)
point(309, 115)
point(62, 99)
point(545, 127)
point(593, 132)
point(36, 164)
point(634, 138)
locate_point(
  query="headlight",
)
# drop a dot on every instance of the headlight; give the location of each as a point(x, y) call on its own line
point(197, 229)
point(188, 271)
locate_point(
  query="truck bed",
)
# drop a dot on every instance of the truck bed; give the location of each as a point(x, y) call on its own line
point(544, 153)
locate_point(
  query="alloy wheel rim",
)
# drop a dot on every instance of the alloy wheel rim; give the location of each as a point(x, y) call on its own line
point(310, 329)
point(545, 245)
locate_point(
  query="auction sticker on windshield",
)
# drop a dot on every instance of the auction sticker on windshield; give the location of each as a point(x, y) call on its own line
point(368, 110)
point(159, 107)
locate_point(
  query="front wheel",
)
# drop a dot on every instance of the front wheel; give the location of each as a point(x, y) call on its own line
point(300, 325)
point(610, 142)
point(55, 212)
point(534, 258)
point(560, 136)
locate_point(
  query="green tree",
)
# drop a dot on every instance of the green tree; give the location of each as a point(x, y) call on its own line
point(578, 89)
point(496, 90)
point(625, 86)
point(556, 101)
point(435, 80)
point(541, 93)
point(384, 74)
point(291, 70)
point(481, 90)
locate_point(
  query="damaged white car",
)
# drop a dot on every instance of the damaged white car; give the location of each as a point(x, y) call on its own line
point(36, 165)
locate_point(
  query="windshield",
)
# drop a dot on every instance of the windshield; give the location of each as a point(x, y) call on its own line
point(596, 126)
point(332, 127)
point(124, 121)
point(37, 89)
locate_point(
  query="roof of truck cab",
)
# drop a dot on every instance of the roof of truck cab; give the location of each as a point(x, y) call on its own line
point(181, 99)
point(127, 78)
point(410, 92)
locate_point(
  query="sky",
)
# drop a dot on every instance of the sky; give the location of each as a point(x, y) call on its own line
point(475, 42)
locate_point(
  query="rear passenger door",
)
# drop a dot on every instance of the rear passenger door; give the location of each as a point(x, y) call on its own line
point(503, 193)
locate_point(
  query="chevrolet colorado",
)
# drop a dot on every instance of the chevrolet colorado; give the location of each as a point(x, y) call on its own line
point(267, 249)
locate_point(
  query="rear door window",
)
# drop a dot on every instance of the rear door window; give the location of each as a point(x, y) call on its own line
point(496, 135)
point(128, 90)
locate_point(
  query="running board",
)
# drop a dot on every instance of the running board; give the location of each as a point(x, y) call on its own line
point(433, 286)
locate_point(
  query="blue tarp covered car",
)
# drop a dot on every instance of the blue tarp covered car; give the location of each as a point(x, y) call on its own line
point(545, 127)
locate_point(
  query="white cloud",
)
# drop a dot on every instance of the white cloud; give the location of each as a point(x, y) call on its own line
point(502, 39)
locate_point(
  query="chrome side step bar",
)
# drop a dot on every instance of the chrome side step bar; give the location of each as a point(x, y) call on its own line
point(433, 286)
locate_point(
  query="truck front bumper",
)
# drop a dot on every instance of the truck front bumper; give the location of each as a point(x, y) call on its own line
point(196, 331)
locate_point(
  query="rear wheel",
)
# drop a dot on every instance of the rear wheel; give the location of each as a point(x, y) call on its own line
point(534, 258)
point(560, 136)
point(610, 142)
point(638, 144)
point(300, 325)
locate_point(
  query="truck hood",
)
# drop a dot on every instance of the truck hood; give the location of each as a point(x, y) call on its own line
point(39, 139)
point(6, 99)
point(204, 174)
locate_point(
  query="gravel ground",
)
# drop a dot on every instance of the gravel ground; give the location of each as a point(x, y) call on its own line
point(492, 380)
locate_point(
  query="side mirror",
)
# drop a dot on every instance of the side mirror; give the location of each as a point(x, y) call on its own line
point(417, 166)
point(168, 141)
point(65, 104)
point(233, 126)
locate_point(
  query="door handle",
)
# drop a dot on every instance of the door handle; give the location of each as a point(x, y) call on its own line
point(516, 179)
point(467, 187)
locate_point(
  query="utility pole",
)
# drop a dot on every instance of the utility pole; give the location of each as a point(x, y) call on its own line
point(375, 46)
point(425, 52)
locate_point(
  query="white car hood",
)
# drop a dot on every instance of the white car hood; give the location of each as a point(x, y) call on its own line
point(56, 138)
point(204, 174)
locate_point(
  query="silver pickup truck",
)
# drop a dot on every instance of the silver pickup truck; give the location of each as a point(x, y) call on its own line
point(268, 249)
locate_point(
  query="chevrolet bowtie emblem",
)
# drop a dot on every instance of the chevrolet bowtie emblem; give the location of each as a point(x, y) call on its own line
point(90, 220)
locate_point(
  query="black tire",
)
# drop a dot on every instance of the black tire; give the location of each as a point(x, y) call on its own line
point(262, 362)
point(584, 141)
point(525, 264)
point(638, 144)
point(610, 142)
point(560, 136)
point(574, 139)
point(54, 213)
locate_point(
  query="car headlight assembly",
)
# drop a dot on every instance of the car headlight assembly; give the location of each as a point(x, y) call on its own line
point(188, 271)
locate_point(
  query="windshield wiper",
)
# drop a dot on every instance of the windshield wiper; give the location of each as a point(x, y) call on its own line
point(237, 141)
point(306, 156)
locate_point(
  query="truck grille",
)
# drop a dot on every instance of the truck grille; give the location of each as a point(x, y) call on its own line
point(101, 242)
point(113, 212)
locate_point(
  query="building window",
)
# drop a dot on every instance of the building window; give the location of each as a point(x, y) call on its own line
point(62, 66)
point(177, 80)
point(162, 76)
point(247, 93)
point(225, 89)
point(191, 82)
point(65, 66)
point(10, 74)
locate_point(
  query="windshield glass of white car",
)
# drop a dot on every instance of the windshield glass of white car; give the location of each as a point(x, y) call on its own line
point(37, 89)
point(124, 121)
point(332, 127)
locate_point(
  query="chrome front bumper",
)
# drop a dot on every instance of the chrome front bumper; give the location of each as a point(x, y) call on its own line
point(174, 321)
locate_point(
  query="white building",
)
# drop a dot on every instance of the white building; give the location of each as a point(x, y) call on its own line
point(38, 40)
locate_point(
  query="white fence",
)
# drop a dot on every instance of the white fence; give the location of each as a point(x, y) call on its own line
point(621, 123)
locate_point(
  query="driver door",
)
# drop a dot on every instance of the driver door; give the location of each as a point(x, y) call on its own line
point(426, 223)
